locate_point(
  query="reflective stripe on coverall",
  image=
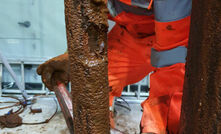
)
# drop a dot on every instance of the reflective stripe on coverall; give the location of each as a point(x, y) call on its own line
point(162, 108)
point(172, 19)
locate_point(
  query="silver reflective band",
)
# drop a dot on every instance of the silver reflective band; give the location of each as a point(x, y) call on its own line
point(171, 10)
point(168, 57)
point(116, 7)
point(140, 3)
point(111, 8)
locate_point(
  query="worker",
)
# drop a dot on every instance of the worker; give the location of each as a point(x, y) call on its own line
point(147, 37)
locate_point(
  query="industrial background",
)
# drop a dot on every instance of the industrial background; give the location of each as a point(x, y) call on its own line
point(33, 31)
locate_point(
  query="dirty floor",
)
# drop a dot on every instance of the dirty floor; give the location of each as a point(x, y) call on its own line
point(126, 121)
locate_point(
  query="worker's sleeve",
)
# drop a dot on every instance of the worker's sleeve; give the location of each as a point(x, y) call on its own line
point(162, 108)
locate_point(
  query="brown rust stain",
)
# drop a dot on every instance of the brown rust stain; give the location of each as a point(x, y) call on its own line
point(86, 27)
point(201, 108)
point(10, 121)
point(169, 27)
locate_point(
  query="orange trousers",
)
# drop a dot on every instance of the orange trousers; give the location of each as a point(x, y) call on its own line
point(129, 51)
point(162, 108)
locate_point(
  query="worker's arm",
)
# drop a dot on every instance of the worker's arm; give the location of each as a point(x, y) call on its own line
point(55, 69)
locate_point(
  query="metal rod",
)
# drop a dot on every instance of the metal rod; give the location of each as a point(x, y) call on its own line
point(12, 73)
point(128, 88)
point(65, 102)
point(0, 80)
point(139, 90)
point(23, 75)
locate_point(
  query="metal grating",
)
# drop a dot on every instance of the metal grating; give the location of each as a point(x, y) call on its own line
point(26, 73)
point(138, 90)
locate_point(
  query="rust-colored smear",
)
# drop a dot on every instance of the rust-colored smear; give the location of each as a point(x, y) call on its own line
point(10, 121)
point(86, 25)
point(201, 108)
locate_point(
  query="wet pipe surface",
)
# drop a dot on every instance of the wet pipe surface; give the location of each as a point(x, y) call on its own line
point(201, 108)
point(86, 27)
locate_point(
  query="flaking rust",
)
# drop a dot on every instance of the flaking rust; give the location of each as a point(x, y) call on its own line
point(201, 108)
point(86, 27)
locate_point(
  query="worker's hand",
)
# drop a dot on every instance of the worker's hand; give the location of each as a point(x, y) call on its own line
point(55, 70)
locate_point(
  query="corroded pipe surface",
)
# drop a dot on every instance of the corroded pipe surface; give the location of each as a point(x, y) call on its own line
point(201, 108)
point(86, 27)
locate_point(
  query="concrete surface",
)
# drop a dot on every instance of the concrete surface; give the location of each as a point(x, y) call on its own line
point(126, 121)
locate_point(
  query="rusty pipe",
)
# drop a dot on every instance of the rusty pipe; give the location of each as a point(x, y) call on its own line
point(86, 27)
point(201, 108)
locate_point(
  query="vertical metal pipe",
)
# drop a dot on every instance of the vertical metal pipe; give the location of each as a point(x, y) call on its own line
point(201, 108)
point(139, 90)
point(22, 75)
point(86, 27)
point(1, 80)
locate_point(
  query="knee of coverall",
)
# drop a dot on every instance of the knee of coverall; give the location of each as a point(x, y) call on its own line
point(164, 83)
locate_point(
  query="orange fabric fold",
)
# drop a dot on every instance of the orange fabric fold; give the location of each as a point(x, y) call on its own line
point(128, 58)
point(174, 113)
point(137, 25)
point(128, 2)
point(162, 108)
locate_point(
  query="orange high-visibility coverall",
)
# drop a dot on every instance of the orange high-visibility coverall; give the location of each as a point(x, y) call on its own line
point(140, 43)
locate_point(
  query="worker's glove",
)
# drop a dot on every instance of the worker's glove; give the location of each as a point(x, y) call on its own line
point(55, 70)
